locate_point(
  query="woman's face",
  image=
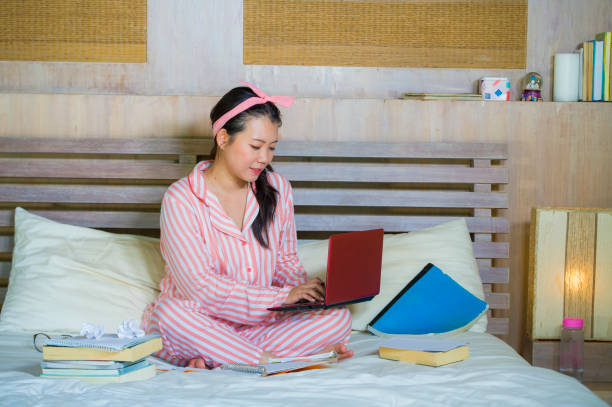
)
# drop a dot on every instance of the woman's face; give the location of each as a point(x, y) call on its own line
point(252, 149)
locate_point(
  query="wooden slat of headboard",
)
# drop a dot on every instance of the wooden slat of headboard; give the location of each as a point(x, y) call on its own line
point(101, 194)
point(494, 275)
point(406, 173)
point(118, 184)
point(489, 275)
point(308, 222)
point(489, 151)
point(498, 326)
point(92, 169)
point(152, 194)
point(407, 199)
point(154, 146)
point(305, 222)
point(294, 171)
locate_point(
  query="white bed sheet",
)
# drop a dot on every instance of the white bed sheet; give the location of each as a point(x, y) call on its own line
point(494, 374)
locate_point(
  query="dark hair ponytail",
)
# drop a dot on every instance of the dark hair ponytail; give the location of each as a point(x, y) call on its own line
point(264, 192)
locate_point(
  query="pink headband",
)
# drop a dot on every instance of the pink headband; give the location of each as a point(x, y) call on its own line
point(252, 101)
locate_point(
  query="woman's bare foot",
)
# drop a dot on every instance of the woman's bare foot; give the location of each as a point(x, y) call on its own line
point(340, 349)
point(197, 363)
point(265, 356)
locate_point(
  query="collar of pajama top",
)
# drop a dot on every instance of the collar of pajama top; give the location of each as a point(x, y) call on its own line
point(219, 218)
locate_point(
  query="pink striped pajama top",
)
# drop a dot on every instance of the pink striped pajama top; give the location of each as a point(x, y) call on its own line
point(220, 281)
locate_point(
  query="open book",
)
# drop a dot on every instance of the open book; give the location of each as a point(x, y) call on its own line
point(283, 365)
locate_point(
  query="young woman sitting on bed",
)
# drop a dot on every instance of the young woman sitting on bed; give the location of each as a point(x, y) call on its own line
point(229, 242)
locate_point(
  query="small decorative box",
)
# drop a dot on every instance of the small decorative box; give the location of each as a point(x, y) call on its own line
point(494, 88)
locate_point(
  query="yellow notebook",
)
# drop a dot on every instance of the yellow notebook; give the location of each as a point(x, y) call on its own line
point(423, 352)
point(442, 96)
point(107, 348)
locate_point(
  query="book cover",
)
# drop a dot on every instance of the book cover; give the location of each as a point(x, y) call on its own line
point(589, 69)
point(144, 373)
point(442, 96)
point(79, 349)
point(597, 70)
point(582, 87)
point(51, 371)
point(432, 302)
point(424, 352)
point(86, 364)
point(606, 37)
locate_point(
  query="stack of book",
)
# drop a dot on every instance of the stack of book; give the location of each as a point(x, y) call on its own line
point(595, 69)
point(106, 360)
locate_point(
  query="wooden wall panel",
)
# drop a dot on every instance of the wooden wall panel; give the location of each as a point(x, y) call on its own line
point(559, 152)
point(195, 48)
point(602, 300)
point(548, 284)
point(570, 273)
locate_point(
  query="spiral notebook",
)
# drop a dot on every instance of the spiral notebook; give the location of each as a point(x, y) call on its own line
point(108, 342)
point(284, 366)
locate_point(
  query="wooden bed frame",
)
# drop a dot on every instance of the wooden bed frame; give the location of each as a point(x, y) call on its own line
point(117, 185)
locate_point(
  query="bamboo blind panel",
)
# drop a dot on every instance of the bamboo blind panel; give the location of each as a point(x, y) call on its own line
point(391, 33)
point(73, 30)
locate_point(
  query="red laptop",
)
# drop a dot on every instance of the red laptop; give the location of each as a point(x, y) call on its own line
point(354, 261)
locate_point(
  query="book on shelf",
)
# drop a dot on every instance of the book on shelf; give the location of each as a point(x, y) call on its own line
point(430, 352)
point(143, 371)
point(88, 370)
point(442, 96)
point(581, 73)
point(589, 71)
point(606, 38)
point(284, 365)
point(107, 348)
point(598, 68)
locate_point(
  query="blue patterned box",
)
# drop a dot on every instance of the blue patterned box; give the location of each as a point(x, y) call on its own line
point(494, 88)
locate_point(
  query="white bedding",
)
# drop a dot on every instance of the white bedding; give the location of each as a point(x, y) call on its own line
point(493, 375)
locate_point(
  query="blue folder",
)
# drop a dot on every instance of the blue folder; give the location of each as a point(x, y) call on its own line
point(432, 302)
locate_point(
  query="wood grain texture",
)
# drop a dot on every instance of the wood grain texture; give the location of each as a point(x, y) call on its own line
point(579, 269)
point(183, 34)
point(294, 171)
point(559, 152)
point(547, 279)
point(90, 189)
point(602, 300)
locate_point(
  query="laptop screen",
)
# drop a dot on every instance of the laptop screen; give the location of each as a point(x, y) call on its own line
point(353, 266)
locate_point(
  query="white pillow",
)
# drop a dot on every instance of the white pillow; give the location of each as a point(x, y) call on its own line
point(65, 275)
point(447, 246)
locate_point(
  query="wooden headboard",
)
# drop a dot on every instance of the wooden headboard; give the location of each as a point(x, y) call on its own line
point(117, 185)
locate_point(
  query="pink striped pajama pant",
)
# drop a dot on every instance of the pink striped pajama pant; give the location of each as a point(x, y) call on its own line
point(188, 332)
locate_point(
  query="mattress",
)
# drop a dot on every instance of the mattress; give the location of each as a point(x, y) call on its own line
point(494, 374)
